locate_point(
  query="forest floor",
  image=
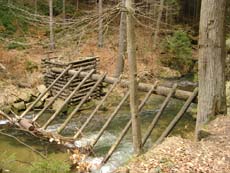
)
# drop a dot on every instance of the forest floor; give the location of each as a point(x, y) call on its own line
point(177, 155)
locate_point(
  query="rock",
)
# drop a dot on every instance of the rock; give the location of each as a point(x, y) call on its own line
point(203, 134)
point(25, 96)
point(58, 103)
point(39, 104)
point(42, 89)
point(6, 109)
point(48, 100)
point(19, 106)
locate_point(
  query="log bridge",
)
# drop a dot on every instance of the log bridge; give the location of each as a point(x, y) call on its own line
point(76, 83)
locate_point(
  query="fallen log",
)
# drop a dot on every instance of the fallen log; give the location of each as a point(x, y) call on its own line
point(160, 90)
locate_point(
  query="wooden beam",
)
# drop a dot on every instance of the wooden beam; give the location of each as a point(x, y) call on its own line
point(160, 90)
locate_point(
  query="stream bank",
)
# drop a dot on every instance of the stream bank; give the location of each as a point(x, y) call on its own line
point(178, 155)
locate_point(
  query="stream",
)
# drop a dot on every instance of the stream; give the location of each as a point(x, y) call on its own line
point(123, 153)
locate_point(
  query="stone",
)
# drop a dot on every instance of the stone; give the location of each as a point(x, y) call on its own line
point(42, 89)
point(25, 96)
point(6, 109)
point(39, 104)
point(19, 106)
point(58, 103)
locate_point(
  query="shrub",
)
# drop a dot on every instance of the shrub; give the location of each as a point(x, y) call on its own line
point(178, 51)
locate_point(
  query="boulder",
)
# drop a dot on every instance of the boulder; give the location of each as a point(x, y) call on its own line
point(58, 103)
point(19, 106)
point(25, 96)
point(6, 109)
point(42, 89)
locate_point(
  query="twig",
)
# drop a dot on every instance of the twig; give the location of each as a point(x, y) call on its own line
point(32, 149)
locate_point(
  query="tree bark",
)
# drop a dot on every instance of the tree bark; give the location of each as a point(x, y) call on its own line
point(63, 11)
point(100, 29)
point(52, 44)
point(35, 7)
point(122, 43)
point(77, 4)
point(131, 47)
point(212, 54)
point(161, 8)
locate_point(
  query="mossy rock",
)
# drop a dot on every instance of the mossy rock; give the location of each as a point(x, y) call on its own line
point(6, 109)
point(19, 106)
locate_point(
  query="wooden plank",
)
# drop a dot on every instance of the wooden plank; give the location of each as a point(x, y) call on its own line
point(127, 127)
point(68, 99)
point(110, 119)
point(56, 96)
point(156, 118)
point(160, 90)
point(95, 110)
point(177, 117)
point(59, 130)
point(42, 94)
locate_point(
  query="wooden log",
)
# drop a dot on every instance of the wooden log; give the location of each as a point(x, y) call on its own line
point(156, 118)
point(127, 127)
point(177, 117)
point(110, 119)
point(95, 110)
point(47, 90)
point(56, 96)
point(68, 99)
point(80, 104)
point(160, 90)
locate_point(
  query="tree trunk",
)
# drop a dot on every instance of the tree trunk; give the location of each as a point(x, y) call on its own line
point(63, 11)
point(161, 8)
point(77, 4)
point(52, 44)
point(212, 54)
point(100, 29)
point(136, 131)
point(35, 7)
point(122, 43)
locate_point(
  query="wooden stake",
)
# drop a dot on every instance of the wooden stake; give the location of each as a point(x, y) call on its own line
point(110, 119)
point(127, 127)
point(56, 96)
point(177, 117)
point(41, 95)
point(95, 110)
point(160, 90)
point(80, 104)
point(156, 118)
point(68, 99)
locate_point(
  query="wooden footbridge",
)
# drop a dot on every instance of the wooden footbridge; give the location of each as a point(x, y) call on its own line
point(85, 84)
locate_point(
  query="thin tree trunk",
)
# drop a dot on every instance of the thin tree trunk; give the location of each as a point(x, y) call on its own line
point(77, 4)
point(35, 7)
point(100, 29)
point(131, 47)
point(155, 39)
point(122, 43)
point(63, 11)
point(211, 100)
point(52, 44)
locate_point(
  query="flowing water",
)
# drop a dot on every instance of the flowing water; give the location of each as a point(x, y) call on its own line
point(123, 153)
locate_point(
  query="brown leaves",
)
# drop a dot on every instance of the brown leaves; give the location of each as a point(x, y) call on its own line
point(177, 155)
